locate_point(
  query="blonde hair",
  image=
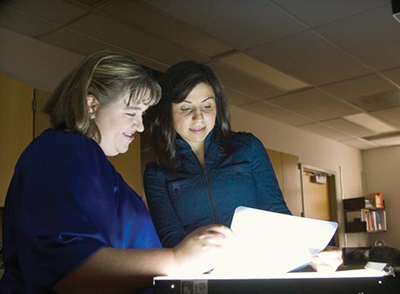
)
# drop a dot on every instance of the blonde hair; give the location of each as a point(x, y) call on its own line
point(106, 75)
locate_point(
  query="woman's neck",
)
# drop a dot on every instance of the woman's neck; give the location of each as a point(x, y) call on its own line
point(198, 150)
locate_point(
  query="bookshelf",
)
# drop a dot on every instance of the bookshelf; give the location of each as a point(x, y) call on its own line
point(365, 214)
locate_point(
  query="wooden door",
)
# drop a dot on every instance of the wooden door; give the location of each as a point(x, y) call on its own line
point(276, 161)
point(292, 183)
point(288, 175)
point(16, 127)
point(316, 198)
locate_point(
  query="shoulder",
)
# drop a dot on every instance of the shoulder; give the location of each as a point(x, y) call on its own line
point(153, 169)
point(63, 141)
point(72, 144)
point(67, 149)
point(245, 139)
point(243, 136)
point(247, 145)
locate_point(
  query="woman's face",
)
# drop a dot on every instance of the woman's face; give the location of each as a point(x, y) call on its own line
point(117, 122)
point(194, 117)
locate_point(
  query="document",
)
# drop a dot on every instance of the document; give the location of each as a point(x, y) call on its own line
point(271, 244)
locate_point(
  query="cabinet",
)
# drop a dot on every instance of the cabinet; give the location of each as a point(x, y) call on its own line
point(365, 214)
point(16, 118)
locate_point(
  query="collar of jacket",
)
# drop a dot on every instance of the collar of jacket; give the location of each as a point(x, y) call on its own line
point(184, 152)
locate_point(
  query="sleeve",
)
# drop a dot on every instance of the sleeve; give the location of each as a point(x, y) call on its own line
point(65, 191)
point(168, 225)
point(269, 195)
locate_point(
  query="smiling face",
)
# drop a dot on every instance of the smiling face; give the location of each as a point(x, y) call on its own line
point(195, 116)
point(117, 123)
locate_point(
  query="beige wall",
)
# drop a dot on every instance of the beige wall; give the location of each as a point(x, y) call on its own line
point(382, 173)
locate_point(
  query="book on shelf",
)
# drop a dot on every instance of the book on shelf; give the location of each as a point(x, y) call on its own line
point(379, 222)
point(374, 200)
point(375, 220)
point(374, 225)
point(364, 215)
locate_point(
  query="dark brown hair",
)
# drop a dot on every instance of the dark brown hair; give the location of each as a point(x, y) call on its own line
point(177, 83)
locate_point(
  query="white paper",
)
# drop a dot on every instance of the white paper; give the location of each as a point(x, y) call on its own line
point(356, 273)
point(270, 244)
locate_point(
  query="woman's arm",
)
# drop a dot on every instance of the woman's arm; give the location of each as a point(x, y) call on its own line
point(111, 270)
point(167, 223)
point(269, 195)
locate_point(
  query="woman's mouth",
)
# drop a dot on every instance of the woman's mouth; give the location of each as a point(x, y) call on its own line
point(129, 136)
point(198, 130)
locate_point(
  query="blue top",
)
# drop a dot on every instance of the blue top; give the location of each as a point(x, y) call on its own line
point(65, 202)
point(192, 197)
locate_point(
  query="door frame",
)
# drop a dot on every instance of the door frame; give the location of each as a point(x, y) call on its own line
point(332, 194)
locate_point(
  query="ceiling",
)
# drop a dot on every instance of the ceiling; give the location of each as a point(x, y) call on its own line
point(329, 67)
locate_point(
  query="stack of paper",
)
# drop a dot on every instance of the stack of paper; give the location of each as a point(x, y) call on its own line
point(270, 244)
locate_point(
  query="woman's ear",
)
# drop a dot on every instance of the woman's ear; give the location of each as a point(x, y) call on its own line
point(92, 104)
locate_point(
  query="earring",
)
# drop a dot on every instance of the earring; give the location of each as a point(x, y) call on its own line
point(91, 113)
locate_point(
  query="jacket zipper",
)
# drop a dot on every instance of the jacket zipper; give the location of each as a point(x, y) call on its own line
point(210, 195)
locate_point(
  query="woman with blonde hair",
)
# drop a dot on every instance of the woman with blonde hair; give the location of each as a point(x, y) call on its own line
point(71, 223)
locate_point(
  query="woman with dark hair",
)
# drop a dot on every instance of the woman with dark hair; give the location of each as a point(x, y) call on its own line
point(71, 223)
point(203, 170)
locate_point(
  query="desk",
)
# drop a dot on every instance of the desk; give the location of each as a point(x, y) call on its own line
point(358, 285)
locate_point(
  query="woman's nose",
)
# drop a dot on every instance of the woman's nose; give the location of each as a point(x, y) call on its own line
point(197, 115)
point(139, 124)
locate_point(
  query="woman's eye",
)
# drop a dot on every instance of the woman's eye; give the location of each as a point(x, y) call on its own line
point(131, 114)
point(186, 109)
point(206, 106)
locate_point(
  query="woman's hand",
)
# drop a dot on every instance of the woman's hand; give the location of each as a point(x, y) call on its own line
point(201, 250)
point(327, 261)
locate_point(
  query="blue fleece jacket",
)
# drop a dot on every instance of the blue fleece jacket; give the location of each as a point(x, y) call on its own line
point(193, 197)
